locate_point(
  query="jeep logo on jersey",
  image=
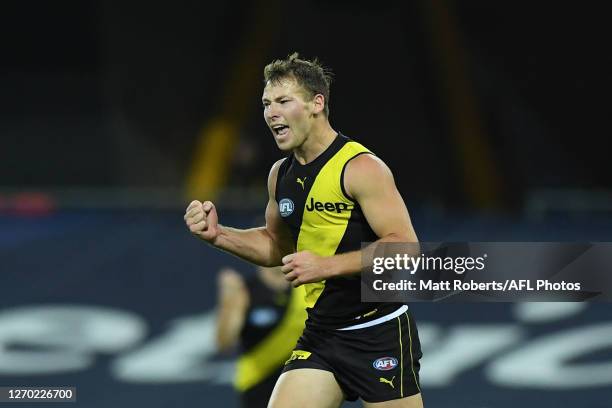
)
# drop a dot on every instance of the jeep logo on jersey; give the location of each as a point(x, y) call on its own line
point(385, 363)
point(285, 207)
point(319, 206)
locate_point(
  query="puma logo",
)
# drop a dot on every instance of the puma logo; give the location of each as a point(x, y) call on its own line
point(301, 182)
point(390, 382)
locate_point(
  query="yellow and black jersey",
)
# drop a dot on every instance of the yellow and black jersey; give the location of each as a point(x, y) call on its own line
point(323, 219)
point(273, 323)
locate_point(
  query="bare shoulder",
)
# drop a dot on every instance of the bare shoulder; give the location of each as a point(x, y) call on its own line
point(365, 173)
point(229, 278)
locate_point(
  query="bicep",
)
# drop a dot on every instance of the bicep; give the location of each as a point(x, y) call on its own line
point(275, 226)
point(371, 184)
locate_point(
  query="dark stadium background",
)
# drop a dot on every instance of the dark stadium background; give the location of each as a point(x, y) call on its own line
point(493, 117)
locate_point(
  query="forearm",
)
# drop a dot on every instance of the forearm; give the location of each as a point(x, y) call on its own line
point(350, 263)
point(254, 245)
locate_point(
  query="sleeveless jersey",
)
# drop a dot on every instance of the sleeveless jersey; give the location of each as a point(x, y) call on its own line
point(323, 219)
point(273, 323)
point(266, 309)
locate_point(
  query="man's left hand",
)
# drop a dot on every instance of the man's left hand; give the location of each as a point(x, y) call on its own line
point(305, 267)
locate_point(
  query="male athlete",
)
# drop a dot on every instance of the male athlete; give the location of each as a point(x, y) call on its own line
point(265, 318)
point(326, 198)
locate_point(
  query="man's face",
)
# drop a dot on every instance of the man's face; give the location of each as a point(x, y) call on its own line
point(287, 113)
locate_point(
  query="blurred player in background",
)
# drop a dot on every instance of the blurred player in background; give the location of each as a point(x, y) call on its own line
point(264, 317)
point(326, 198)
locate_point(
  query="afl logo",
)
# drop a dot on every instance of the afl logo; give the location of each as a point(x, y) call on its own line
point(385, 363)
point(285, 207)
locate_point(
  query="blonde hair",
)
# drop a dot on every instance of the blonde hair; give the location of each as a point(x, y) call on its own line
point(310, 75)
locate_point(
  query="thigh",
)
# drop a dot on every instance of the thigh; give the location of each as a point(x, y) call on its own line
point(259, 395)
point(306, 388)
point(413, 401)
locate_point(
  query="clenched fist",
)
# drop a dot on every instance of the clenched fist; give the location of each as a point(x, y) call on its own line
point(201, 219)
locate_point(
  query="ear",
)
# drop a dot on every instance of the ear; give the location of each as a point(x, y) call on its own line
point(318, 103)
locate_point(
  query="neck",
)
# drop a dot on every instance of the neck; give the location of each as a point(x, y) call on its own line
point(318, 139)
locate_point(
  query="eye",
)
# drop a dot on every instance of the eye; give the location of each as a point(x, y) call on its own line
point(284, 100)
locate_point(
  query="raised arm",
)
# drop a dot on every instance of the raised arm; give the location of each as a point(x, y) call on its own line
point(264, 246)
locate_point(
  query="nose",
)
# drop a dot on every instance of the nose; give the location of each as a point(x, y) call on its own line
point(271, 113)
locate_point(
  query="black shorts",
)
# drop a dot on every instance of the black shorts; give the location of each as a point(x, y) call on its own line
point(377, 363)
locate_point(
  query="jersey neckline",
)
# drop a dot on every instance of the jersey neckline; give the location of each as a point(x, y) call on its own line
point(333, 147)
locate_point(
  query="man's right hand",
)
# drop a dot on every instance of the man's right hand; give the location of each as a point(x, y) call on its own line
point(201, 219)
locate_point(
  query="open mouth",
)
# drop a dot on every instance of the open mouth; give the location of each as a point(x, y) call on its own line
point(280, 130)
